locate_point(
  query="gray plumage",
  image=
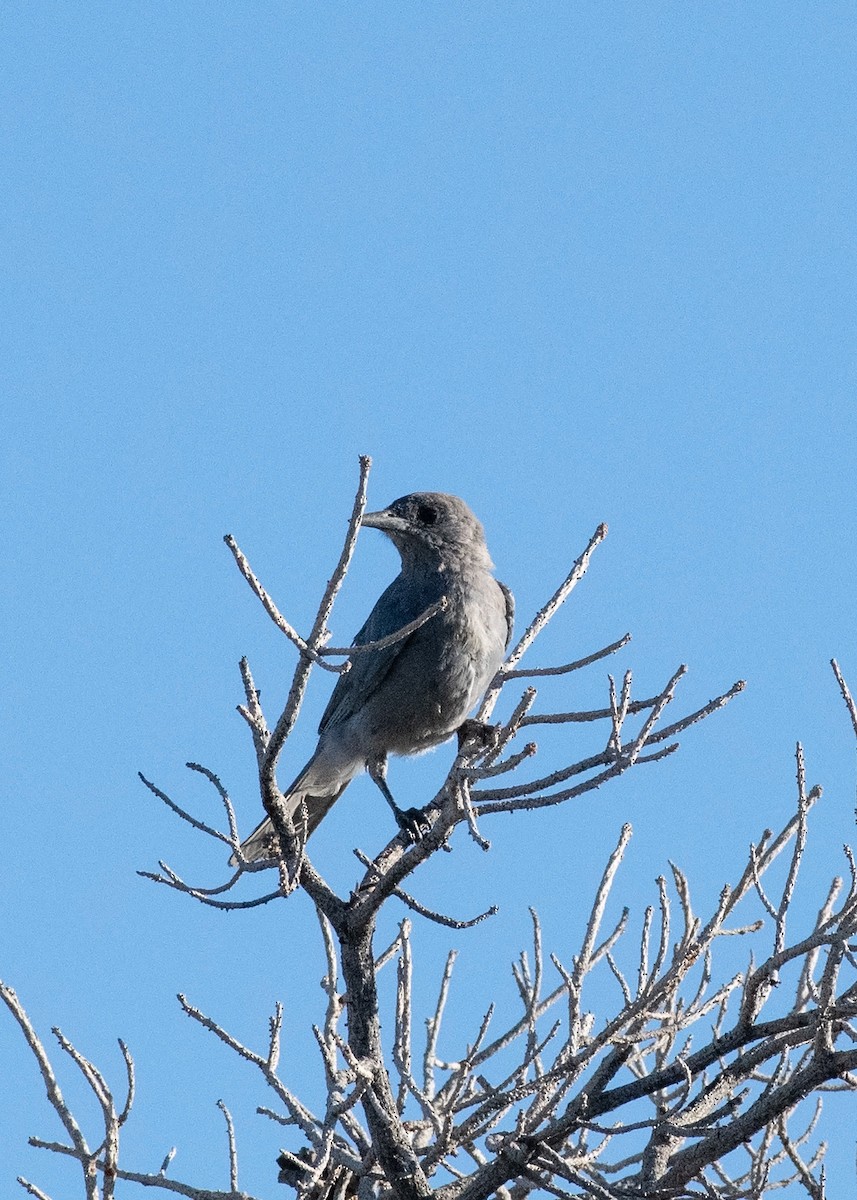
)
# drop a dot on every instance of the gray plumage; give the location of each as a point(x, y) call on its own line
point(416, 693)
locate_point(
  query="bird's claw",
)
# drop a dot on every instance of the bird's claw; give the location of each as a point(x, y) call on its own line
point(413, 823)
point(485, 736)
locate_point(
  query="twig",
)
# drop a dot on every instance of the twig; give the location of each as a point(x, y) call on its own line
point(417, 907)
point(537, 672)
point(172, 880)
point(846, 694)
point(392, 638)
point(32, 1189)
point(433, 1026)
point(544, 614)
point(302, 1116)
point(181, 812)
point(55, 1096)
point(233, 1150)
point(306, 650)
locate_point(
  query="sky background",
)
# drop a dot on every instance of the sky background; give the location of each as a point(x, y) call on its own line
point(576, 263)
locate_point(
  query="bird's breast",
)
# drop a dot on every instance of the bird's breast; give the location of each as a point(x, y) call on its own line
point(443, 669)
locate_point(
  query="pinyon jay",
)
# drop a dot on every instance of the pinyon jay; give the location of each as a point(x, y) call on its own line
point(414, 694)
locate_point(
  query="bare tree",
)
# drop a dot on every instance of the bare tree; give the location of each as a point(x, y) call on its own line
point(555, 1099)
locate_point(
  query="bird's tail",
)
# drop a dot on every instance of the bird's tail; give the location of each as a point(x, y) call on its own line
point(262, 841)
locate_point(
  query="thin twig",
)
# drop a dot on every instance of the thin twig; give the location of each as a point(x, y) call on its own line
point(55, 1096)
point(181, 812)
point(306, 650)
point(846, 694)
point(537, 672)
point(544, 614)
point(392, 638)
point(233, 1150)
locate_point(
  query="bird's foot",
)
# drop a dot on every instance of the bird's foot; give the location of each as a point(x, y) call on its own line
point(485, 736)
point(413, 823)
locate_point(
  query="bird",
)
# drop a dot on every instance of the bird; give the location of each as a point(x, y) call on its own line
point(410, 696)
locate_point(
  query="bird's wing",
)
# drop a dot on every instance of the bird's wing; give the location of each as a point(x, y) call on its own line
point(510, 611)
point(395, 608)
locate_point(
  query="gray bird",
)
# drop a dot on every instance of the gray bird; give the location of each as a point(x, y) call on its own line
point(416, 693)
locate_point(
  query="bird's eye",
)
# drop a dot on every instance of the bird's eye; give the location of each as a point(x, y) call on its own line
point(426, 514)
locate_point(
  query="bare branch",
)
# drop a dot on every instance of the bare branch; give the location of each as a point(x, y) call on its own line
point(536, 672)
point(306, 650)
point(302, 1116)
point(181, 812)
point(32, 1189)
point(55, 1096)
point(846, 694)
point(417, 907)
point(564, 590)
point(391, 639)
point(233, 1150)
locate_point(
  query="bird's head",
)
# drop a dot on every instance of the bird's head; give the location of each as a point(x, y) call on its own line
point(432, 528)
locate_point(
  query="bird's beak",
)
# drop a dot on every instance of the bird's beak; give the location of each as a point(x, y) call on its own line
point(383, 520)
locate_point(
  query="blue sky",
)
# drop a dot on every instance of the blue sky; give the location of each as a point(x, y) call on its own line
point(572, 262)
